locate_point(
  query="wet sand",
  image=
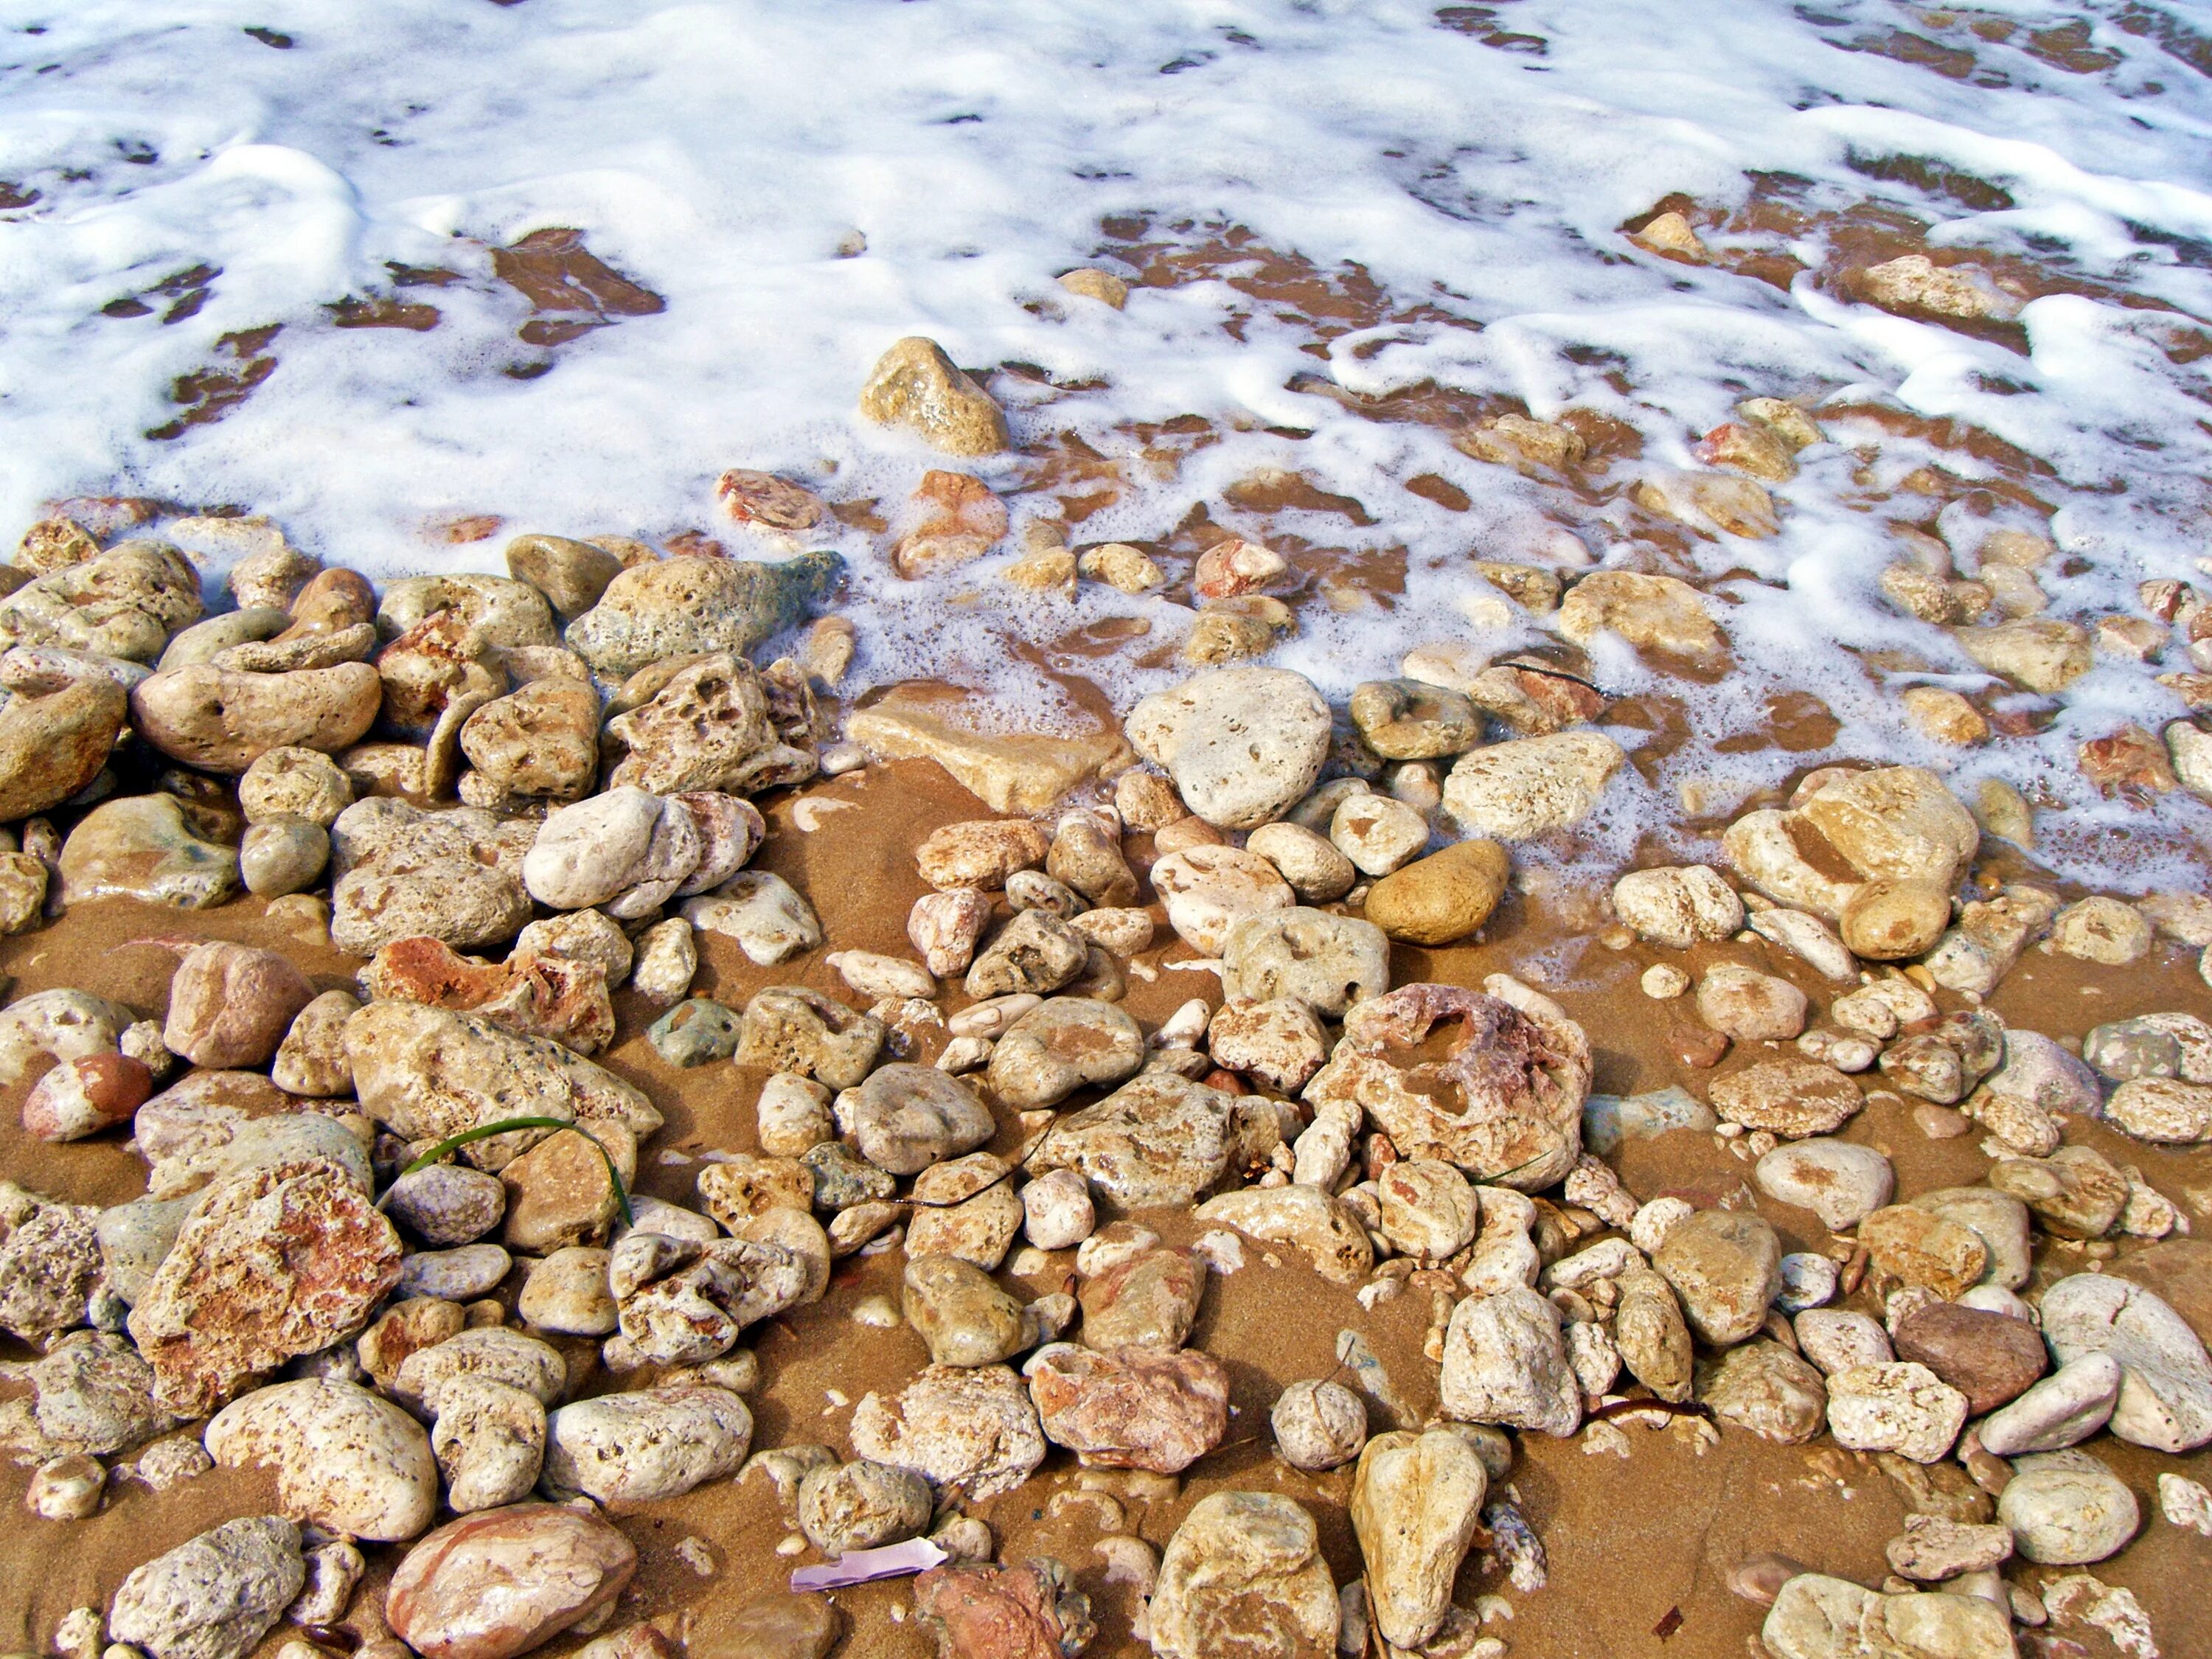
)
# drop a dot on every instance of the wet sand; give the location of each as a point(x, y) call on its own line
point(1629, 1542)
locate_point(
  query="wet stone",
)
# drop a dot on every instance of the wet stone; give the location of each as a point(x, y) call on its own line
point(450, 1599)
point(214, 1596)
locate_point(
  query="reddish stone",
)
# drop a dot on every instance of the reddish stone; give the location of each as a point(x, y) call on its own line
point(1991, 1357)
point(1135, 1408)
point(269, 1265)
point(981, 1610)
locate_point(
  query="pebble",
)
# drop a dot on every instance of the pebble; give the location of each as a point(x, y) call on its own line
point(290, 782)
point(1243, 1572)
point(697, 1032)
point(1327, 961)
point(270, 1264)
point(980, 1610)
point(1088, 858)
point(1918, 1248)
point(222, 720)
point(231, 1004)
point(54, 746)
point(2165, 1111)
point(1280, 1041)
point(1208, 891)
point(1034, 954)
point(428, 1073)
point(1241, 743)
point(1991, 1357)
point(447, 1204)
point(1898, 1407)
point(1133, 1408)
point(1443, 898)
point(648, 1444)
point(1890, 920)
point(905, 1117)
point(970, 1430)
point(861, 1506)
point(700, 724)
point(492, 1353)
point(1726, 1266)
point(685, 606)
point(214, 1596)
point(1998, 1219)
point(2186, 1503)
point(1317, 872)
point(1839, 1182)
point(1379, 834)
point(66, 1488)
point(2063, 1410)
point(1318, 1225)
point(566, 1292)
point(1429, 1211)
point(1816, 1616)
point(1318, 1424)
point(960, 1312)
point(144, 846)
point(1530, 786)
point(1677, 906)
point(1061, 1046)
point(980, 854)
point(1764, 1388)
point(91, 1395)
point(782, 1626)
point(82, 1097)
point(1057, 1212)
point(789, 1028)
point(1505, 1362)
point(770, 921)
point(1934, 1547)
point(1416, 1507)
point(1158, 1139)
point(1610, 1120)
point(499, 1583)
point(1409, 719)
point(541, 741)
point(1747, 1006)
point(2067, 1509)
point(402, 872)
point(1792, 1097)
point(346, 1460)
point(282, 855)
point(1148, 1298)
point(2101, 930)
point(1894, 823)
point(571, 574)
point(2165, 1389)
point(667, 960)
point(406, 1329)
point(915, 385)
point(1839, 1340)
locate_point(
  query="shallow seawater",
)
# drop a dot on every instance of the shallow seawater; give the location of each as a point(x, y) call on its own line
point(415, 280)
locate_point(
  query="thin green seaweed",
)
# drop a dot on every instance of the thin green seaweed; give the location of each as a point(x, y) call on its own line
point(485, 1132)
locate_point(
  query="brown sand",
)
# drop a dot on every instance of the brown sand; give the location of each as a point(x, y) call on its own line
point(1629, 1542)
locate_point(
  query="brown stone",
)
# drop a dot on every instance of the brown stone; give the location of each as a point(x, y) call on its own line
point(51, 747)
point(1918, 1248)
point(1443, 897)
point(981, 1610)
point(1991, 1357)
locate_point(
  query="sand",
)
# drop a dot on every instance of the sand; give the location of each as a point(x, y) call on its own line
point(1629, 1542)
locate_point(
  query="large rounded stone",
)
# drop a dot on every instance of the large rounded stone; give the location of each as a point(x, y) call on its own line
point(1443, 898)
point(635, 1448)
point(1727, 1267)
point(2066, 1509)
point(222, 720)
point(345, 1460)
point(2165, 1387)
point(1242, 743)
point(51, 747)
point(682, 606)
point(143, 847)
point(498, 1583)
